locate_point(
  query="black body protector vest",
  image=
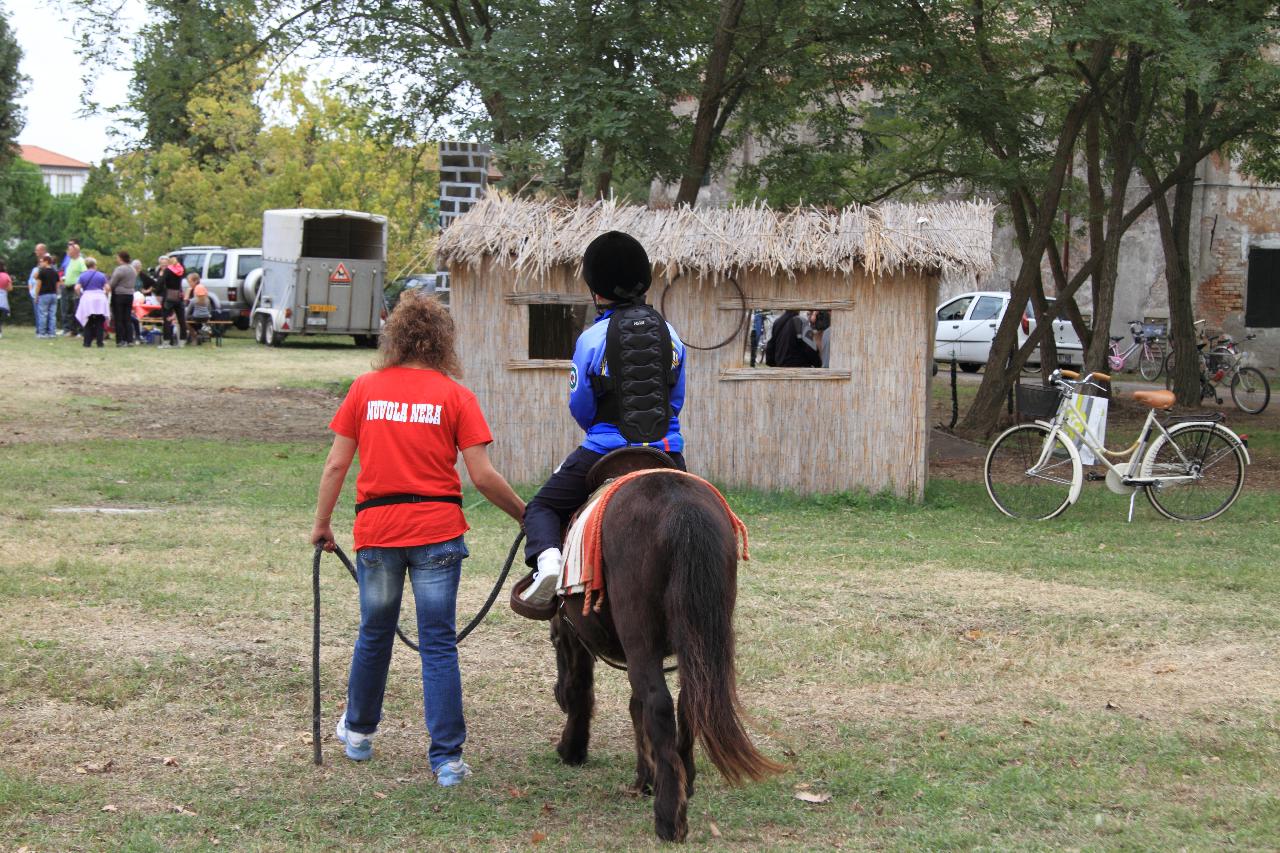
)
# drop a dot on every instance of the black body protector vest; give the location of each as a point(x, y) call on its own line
point(639, 357)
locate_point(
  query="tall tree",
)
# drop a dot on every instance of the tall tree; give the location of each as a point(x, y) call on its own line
point(1220, 91)
point(182, 47)
point(12, 85)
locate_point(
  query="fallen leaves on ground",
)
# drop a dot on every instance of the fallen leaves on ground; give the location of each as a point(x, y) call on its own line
point(110, 807)
point(812, 797)
point(91, 767)
point(715, 830)
point(538, 837)
point(177, 808)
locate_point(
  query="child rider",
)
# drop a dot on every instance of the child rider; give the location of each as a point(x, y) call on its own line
point(626, 389)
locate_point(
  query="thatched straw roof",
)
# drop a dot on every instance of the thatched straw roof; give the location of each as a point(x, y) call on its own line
point(536, 236)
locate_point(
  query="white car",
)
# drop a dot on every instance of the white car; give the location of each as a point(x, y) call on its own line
point(967, 325)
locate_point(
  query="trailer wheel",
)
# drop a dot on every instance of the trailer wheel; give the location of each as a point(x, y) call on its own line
point(260, 329)
point(270, 336)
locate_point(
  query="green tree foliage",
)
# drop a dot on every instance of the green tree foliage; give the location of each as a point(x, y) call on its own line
point(572, 91)
point(32, 215)
point(12, 84)
point(325, 152)
point(182, 47)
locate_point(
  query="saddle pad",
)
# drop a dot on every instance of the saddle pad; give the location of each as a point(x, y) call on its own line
point(571, 572)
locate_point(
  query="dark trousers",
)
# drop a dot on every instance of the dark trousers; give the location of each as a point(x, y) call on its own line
point(93, 330)
point(122, 317)
point(175, 306)
point(559, 498)
point(67, 302)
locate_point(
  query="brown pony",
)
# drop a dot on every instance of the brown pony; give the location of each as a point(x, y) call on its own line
point(670, 567)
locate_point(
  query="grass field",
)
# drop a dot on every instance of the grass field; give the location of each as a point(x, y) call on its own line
point(951, 678)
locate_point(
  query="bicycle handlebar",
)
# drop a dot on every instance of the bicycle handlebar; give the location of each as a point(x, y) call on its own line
point(1074, 381)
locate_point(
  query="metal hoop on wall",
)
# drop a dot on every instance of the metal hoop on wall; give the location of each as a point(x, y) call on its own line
point(742, 315)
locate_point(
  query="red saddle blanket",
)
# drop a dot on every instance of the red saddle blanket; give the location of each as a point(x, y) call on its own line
point(583, 553)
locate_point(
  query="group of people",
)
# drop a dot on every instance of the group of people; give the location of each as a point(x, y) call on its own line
point(82, 300)
point(410, 418)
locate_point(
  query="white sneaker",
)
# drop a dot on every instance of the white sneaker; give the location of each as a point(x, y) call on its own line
point(359, 747)
point(545, 579)
point(452, 773)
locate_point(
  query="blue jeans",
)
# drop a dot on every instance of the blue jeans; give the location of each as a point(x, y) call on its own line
point(433, 572)
point(46, 314)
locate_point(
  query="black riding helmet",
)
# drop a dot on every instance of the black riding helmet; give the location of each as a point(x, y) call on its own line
point(616, 267)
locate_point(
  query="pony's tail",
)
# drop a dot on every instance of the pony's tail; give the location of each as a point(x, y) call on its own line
point(699, 607)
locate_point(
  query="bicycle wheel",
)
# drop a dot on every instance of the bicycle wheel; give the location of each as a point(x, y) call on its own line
point(1019, 484)
point(1150, 363)
point(1250, 390)
point(1168, 371)
point(1206, 462)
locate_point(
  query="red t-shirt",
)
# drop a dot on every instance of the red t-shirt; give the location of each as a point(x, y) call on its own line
point(409, 425)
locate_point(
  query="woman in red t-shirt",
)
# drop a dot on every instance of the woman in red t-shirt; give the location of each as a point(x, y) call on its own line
point(408, 420)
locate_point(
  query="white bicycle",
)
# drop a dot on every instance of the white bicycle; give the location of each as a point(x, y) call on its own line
point(1190, 469)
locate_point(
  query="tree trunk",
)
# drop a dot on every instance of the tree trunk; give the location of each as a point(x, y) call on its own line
point(575, 152)
point(1186, 374)
point(710, 99)
point(1175, 238)
point(604, 177)
point(1020, 206)
point(1123, 153)
point(1002, 368)
point(1097, 202)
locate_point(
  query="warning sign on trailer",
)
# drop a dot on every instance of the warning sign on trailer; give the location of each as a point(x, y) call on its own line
point(340, 275)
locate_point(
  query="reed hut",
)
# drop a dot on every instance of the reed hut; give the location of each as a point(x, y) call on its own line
point(861, 423)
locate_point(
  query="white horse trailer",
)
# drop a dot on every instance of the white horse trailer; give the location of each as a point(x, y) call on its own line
point(323, 272)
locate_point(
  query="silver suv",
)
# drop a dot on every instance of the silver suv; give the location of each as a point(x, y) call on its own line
point(232, 275)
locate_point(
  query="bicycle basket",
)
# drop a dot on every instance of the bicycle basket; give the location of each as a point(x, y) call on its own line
point(1036, 402)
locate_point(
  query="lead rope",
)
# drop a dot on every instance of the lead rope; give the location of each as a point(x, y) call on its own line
point(315, 625)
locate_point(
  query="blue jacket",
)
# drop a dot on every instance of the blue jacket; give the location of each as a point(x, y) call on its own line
point(588, 361)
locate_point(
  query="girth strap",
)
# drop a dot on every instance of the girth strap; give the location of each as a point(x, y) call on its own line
point(387, 500)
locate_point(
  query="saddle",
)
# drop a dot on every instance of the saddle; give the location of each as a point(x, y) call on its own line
point(615, 464)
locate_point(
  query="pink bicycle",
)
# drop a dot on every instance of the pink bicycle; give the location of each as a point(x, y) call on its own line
point(1148, 343)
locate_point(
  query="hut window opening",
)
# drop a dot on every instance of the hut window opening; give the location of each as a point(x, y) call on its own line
point(554, 329)
point(810, 335)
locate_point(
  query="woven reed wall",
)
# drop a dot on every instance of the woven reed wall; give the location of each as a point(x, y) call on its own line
point(862, 424)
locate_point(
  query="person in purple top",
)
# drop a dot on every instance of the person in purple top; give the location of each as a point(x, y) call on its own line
point(93, 309)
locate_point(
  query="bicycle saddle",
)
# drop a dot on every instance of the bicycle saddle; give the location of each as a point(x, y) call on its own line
point(1117, 338)
point(1156, 399)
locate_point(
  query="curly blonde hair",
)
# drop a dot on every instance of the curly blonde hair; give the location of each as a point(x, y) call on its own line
point(419, 332)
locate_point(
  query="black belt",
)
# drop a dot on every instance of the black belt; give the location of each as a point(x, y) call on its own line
point(387, 500)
